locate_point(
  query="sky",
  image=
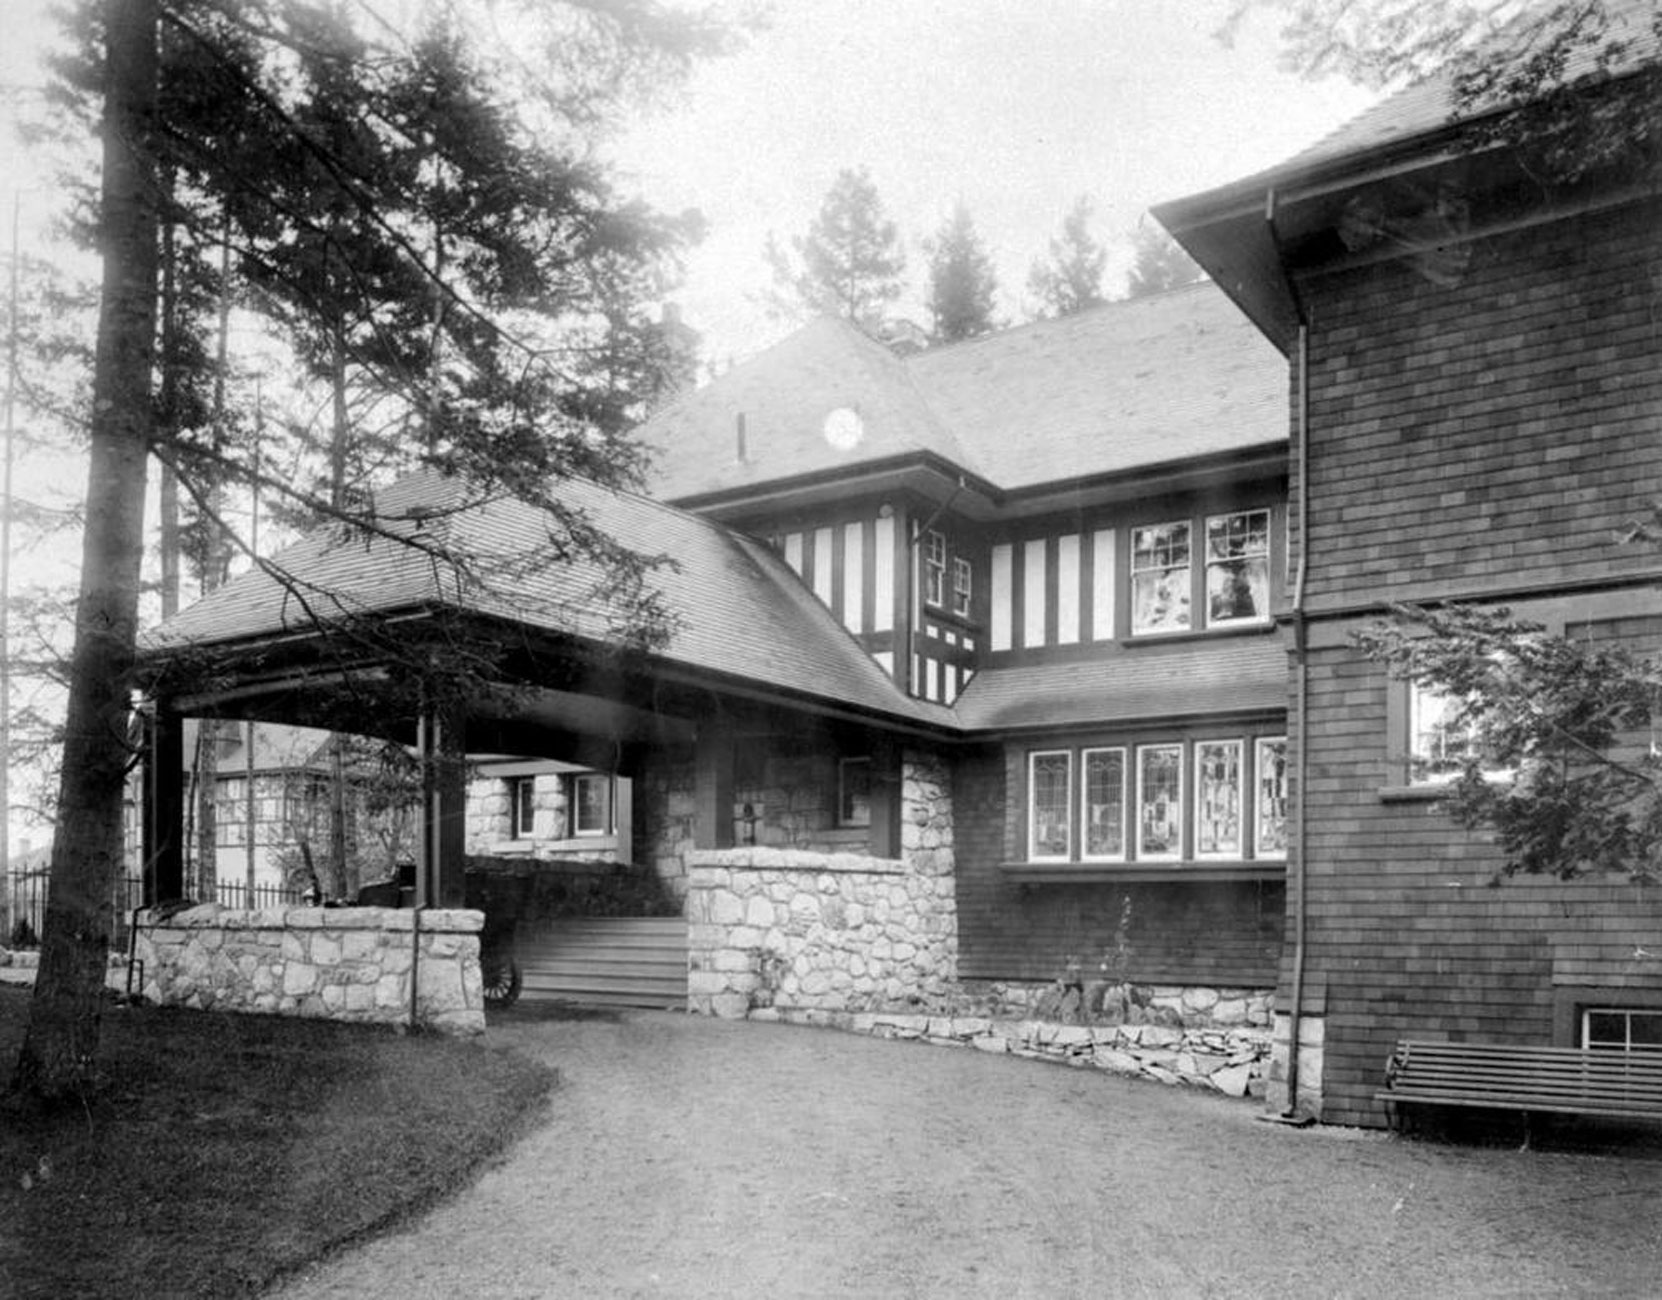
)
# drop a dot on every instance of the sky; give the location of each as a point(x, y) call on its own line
point(1015, 107)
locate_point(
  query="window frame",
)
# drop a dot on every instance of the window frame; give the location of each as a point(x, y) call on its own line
point(963, 586)
point(522, 807)
point(1420, 771)
point(848, 815)
point(1237, 745)
point(934, 568)
point(1134, 571)
point(1208, 562)
point(1085, 754)
point(577, 782)
point(1144, 854)
point(1627, 1013)
point(1259, 852)
point(1031, 805)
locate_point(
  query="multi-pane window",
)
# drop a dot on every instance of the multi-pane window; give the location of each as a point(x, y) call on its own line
point(1238, 568)
point(854, 792)
point(1160, 578)
point(1212, 799)
point(1439, 743)
point(934, 567)
point(1621, 1029)
point(1050, 806)
point(1270, 816)
point(591, 804)
point(1102, 803)
point(1159, 801)
point(1218, 799)
point(963, 579)
point(522, 807)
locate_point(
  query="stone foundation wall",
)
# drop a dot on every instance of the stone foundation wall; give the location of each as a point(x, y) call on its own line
point(348, 963)
point(1233, 1060)
point(1311, 1044)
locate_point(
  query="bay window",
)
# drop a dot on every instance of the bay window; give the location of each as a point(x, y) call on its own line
point(1218, 799)
point(1159, 802)
point(1102, 803)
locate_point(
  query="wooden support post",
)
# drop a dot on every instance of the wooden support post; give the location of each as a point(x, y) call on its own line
point(164, 806)
point(440, 870)
point(713, 787)
point(886, 798)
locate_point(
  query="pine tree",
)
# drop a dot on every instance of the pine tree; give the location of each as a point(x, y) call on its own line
point(1069, 279)
point(962, 284)
point(848, 264)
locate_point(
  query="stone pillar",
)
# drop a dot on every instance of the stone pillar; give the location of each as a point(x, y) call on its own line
point(163, 806)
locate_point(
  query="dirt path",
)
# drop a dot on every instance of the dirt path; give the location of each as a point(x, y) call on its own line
point(693, 1158)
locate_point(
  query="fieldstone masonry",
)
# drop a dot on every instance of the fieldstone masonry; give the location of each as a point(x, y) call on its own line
point(800, 930)
point(348, 963)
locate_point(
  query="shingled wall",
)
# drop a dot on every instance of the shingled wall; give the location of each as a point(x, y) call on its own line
point(1476, 440)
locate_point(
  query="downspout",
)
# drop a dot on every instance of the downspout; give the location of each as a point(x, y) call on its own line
point(1301, 680)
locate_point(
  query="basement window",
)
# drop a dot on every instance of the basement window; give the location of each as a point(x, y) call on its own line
point(1622, 1029)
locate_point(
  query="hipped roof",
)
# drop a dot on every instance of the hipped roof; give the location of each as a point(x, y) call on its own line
point(737, 611)
point(1110, 390)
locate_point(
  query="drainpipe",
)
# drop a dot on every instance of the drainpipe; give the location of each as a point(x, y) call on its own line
point(1301, 679)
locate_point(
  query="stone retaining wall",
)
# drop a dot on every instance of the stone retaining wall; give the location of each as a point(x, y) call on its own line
point(1233, 1061)
point(348, 963)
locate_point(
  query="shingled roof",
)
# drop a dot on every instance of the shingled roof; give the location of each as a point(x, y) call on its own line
point(1114, 389)
point(738, 611)
point(1236, 675)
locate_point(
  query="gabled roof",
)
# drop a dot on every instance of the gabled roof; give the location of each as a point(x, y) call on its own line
point(1185, 679)
point(738, 611)
point(1111, 390)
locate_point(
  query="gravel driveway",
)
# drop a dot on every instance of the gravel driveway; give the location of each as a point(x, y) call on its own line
point(693, 1157)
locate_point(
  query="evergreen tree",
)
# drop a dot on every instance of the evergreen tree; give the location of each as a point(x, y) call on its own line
point(848, 264)
point(430, 250)
point(1069, 279)
point(962, 284)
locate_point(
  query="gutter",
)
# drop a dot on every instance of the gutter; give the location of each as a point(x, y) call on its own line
point(1297, 870)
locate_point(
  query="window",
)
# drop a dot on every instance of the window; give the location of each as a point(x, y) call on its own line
point(1438, 743)
point(1270, 816)
point(934, 567)
point(591, 804)
point(1238, 568)
point(1050, 806)
point(1160, 578)
point(963, 578)
point(1621, 1029)
point(522, 807)
point(1159, 801)
point(1218, 799)
point(1102, 801)
point(854, 792)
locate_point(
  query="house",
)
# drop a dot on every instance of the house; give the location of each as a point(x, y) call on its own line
point(980, 639)
point(1022, 668)
point(1474, 350)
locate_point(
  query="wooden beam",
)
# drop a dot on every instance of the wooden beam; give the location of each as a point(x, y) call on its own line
point(163, 811)
point(713, 786)
point(442, 862)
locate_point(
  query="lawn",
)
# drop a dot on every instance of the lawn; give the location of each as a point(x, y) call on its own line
point(227, 1150)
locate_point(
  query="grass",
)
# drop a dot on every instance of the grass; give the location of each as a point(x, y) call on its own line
point(228, 1150)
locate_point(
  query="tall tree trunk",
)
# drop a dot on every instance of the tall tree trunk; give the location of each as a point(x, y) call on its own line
point(169, 403)
point(59, 1053)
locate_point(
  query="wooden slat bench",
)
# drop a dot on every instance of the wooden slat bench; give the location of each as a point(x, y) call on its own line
point(1520, 1077)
